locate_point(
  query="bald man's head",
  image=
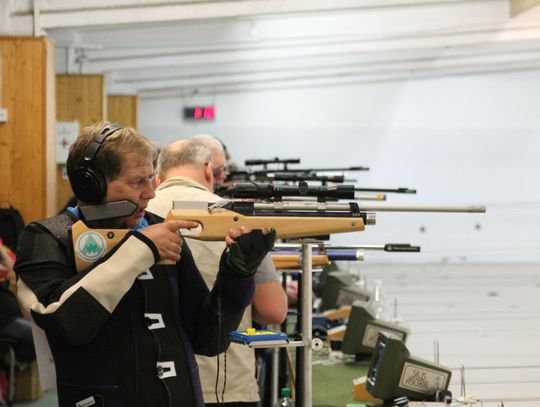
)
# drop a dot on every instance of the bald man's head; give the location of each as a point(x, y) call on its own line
point(187, 158)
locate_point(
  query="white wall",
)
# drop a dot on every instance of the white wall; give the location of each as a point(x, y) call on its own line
point(461, 140)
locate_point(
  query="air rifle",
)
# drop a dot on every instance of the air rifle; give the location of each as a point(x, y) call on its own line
point(254, 190)
point(217, 218)
point(313, 176)
point(276, 160)
point(305, 176)
point(258, 190)
point(287, 161)
point(324, 179)
point(248, 175)
point(304, 191)
point(291, 219)
point(346, 252)
point(322, 247)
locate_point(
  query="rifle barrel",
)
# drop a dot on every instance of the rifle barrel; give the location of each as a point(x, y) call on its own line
point(395, 190)
point(314, 206)
point(426, 208)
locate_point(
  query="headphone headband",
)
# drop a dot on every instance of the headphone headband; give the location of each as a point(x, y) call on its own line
point(89, 183)
point(93, 149)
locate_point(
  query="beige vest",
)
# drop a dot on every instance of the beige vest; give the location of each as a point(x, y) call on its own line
point(241, 366)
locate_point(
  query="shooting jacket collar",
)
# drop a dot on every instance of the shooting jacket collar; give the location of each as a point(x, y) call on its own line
point(180, 182)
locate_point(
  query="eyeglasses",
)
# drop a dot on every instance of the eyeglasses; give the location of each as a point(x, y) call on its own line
point(218, 170)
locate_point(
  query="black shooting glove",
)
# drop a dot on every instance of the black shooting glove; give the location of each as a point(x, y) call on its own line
point(241, 259)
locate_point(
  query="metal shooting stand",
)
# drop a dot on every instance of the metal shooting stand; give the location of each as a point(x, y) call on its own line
point(304, 381)
point(303, 388)
point(304, 377)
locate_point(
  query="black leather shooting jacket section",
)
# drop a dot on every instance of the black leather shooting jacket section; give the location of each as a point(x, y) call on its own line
point(123, 358)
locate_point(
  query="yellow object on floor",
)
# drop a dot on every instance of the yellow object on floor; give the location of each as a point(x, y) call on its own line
point(359, 391)
point(341, 312)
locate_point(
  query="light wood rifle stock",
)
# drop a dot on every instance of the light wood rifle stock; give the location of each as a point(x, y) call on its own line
point(91, 244)
point(215, 225)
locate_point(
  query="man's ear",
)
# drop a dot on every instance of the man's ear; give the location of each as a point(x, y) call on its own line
point(209, 173)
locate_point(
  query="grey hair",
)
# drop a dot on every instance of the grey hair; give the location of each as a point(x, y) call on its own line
point(212, 143)
point(180, 153)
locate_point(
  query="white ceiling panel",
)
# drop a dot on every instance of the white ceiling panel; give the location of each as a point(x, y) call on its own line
point(154, 47)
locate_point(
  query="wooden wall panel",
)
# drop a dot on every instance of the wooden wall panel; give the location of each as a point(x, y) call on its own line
point(27, 139)
point(123, 110)
point(520, 6)
point(81, 98)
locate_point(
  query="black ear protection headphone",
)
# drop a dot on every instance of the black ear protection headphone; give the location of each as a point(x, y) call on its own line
point(88, 183)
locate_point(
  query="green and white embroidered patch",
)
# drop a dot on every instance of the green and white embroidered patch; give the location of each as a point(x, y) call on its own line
point(91, 246)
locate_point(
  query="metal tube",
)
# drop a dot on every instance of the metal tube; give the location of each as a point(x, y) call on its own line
point(307, 323)
point(322, 246)
point(378, 197)
point(275, 377)
point(425, 208)
point(280, 246)
point(348, 254)
point(396, 190)
point(313, 206)
point(358, 197)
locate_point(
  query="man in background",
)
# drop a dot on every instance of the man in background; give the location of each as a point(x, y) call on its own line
point(219, 159)
point(186, 171)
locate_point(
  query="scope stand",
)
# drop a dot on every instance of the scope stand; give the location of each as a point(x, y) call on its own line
point(304, 379)
point(304, 387)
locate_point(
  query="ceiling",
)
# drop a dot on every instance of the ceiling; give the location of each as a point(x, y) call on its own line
point(162, 48)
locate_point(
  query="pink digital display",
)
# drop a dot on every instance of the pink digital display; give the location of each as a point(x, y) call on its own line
point(200, 112)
